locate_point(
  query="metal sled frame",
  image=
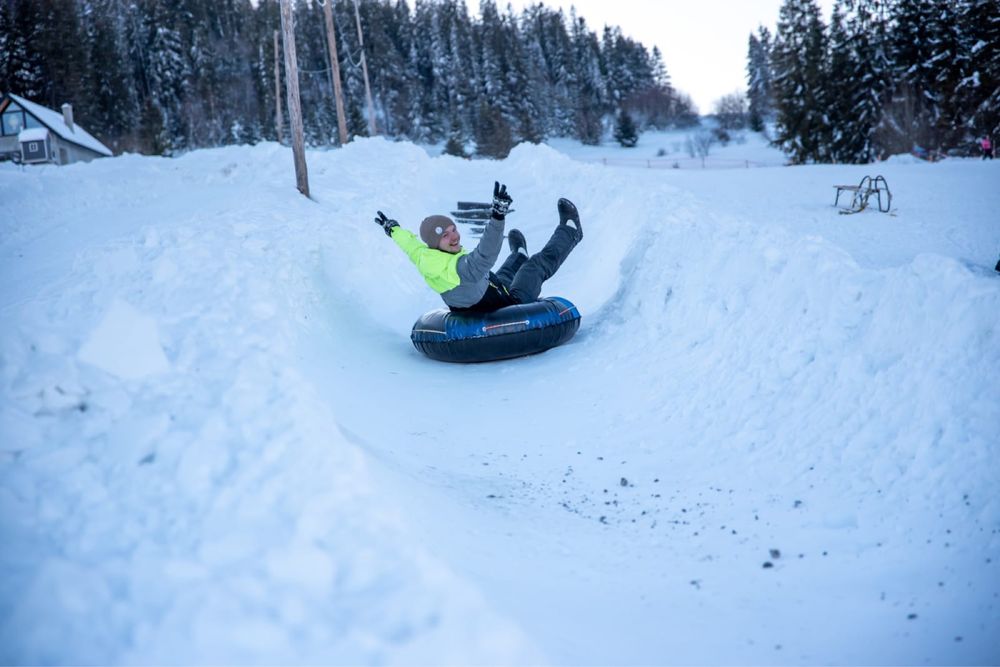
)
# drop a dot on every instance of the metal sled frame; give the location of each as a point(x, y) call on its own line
point(476, 214)
point(862, 191)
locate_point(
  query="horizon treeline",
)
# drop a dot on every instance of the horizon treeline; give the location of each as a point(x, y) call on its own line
point(164, 76)
point(884, 77)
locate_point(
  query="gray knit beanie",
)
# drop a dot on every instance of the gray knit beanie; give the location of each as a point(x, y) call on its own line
point(433, 228)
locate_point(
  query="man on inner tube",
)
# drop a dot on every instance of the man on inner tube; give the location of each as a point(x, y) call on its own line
point(464, 279)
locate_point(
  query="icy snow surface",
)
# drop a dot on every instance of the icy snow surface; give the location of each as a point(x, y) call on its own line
point(773, 441)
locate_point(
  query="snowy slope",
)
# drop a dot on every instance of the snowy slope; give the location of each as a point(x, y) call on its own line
point(774, 439)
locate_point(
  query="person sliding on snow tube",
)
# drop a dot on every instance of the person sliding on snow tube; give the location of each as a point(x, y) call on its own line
point(464, 279)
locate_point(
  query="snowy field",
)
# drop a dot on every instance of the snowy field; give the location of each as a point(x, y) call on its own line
point(774, 440)
point(677, 149)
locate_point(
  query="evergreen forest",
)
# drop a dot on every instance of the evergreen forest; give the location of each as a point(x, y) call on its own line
point(164, 76)
point(884, 77)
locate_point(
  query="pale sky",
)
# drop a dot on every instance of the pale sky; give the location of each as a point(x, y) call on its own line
point(704, 42)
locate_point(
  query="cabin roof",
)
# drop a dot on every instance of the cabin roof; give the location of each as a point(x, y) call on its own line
point(54, 121)
point(33, 134)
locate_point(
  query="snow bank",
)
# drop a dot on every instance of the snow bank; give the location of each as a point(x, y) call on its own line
point(905, 158)
point(877, 371)
point(126, 343)
point(172, 489)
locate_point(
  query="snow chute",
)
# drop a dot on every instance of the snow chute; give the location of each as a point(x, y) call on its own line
point(514, 331)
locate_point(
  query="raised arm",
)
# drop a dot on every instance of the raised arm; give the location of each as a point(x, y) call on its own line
point(477, 264)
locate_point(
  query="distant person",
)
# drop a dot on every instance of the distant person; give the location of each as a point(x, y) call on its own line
point(464, 279)
point(987, 147)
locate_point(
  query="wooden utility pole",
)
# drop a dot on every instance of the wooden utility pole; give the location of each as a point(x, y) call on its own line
point(338, 94)
point(294, 103)
point(364, 68)
point(279, 119)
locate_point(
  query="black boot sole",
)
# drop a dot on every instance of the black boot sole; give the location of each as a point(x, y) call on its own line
point(568, 212)
point(515, 240)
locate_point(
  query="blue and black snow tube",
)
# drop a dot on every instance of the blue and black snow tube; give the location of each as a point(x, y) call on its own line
point(514, 331)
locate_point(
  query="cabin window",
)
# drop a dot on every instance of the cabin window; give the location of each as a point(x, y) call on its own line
point(13, 122)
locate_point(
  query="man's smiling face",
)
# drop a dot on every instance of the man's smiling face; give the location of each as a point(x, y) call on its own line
point(451, 240)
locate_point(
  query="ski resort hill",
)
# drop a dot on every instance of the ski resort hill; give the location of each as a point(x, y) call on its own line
point(774, 439)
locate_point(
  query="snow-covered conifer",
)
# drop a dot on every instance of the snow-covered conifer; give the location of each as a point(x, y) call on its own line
point(802, 128)
point(759, 79)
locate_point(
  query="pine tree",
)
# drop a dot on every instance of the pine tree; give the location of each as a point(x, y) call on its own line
point(315, 86)
point(870, 69)
point(979, 89)
point(462, 71)
point(165, 68)
point(590, 107)
point(114, 104)
point(504, 76)
point(265, 21)
point(529, 125)
point(660, 76)
point(424, 108)
point(62, 48)
point(800, 95)
point(626, 133)
point(951, 62)
point(539, 87)
point(397, 82)
point(494, 137)
point(759, 79)
point(456, 142)
point(443, 90)
point(618, 76)
point(357, 124)
point(23, 66)
point(7, 38)
point(415, 106)
point(840, 69)
point(554, 75)
point(914, 104)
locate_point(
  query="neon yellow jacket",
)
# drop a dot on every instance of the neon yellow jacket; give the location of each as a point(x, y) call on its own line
point(461, 278)
point(439, 269)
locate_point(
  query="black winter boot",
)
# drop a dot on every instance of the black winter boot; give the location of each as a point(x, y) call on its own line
point(527, 282)
point(515, 239)
point(568, 213)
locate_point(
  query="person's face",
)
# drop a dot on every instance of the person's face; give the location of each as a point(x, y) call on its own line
point(451, 240)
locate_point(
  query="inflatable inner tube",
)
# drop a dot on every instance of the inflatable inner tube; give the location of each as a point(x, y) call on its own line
point(514, 331)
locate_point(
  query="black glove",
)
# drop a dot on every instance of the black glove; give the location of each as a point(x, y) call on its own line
point(501, 200)
point(386, 224)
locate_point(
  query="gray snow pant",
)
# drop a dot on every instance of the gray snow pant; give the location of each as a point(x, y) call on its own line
point(520, 278)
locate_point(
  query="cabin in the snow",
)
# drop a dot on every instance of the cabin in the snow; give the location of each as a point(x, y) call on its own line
point(33, 134)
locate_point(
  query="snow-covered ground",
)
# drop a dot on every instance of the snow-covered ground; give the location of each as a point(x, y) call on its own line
point(678, 149)
point(774, 439)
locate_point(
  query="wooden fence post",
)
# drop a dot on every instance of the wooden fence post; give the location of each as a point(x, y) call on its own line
point(338, 94)
point(294, 102)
